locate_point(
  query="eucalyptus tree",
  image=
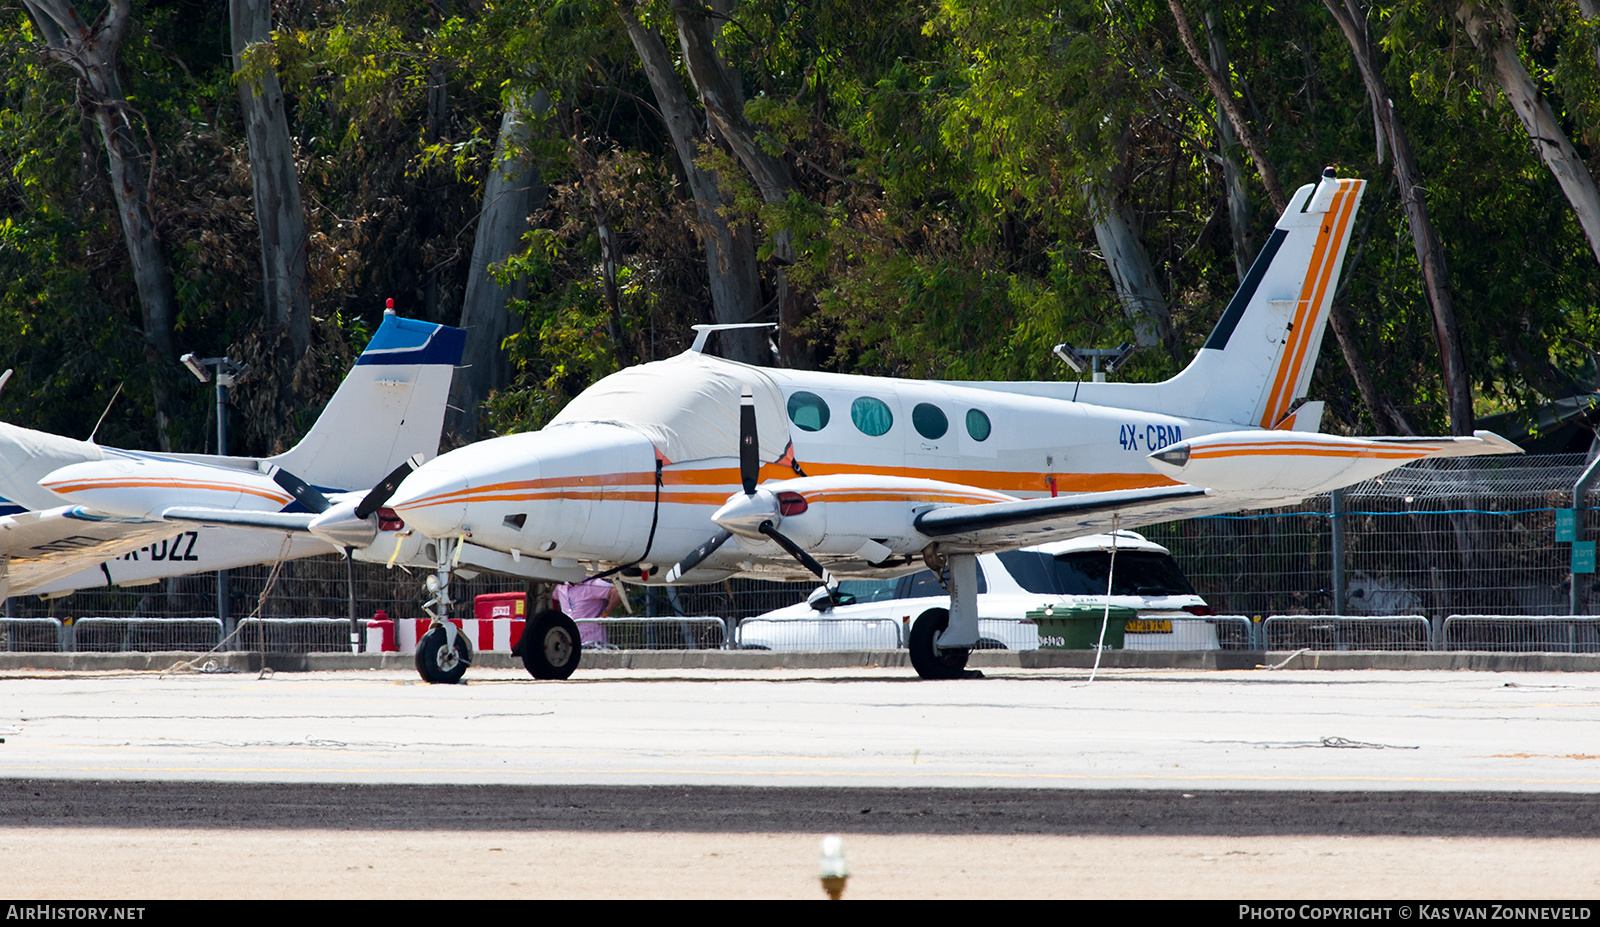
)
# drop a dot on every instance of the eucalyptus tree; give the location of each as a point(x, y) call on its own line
point(274, 177)
point(89, 48)
point(1390, 134)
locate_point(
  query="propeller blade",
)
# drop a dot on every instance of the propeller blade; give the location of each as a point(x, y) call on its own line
point(380, 493)
point(303, 492)
point(749, 447)
point(695, 556)
point(808, 561)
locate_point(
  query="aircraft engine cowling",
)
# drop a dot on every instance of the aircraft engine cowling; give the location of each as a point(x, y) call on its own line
point(581, 492)
point(843, 514)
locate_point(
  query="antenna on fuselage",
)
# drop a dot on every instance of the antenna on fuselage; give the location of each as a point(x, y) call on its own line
point(7, 375)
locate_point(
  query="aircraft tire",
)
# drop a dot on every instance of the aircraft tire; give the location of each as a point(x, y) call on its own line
point(931, 664)
point(435, 665)
point(551, 646)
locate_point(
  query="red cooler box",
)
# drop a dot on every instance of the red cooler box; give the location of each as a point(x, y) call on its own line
point(492, 605)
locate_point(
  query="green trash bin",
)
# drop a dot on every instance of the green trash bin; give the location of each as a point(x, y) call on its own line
point(1077, 627)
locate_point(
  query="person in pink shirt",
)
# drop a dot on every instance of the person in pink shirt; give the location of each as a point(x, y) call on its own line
point(592, 598)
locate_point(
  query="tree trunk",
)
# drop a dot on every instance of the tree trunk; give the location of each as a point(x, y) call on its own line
point(1130, 268)
point(1495, 34)
point(509, 195)
point(92, 53)
point(279, 214)
point(1230, 107)
point(1384, 414)
point(730, 249)
point(720, 94)
point(1430, 253)
point(1244, 247)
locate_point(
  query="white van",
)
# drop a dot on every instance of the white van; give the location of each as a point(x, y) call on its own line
point(1010, 584)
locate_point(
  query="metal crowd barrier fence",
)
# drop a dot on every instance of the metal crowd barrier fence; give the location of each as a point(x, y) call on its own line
point(653, 633)
point(1221, 632)
point(143, 635)
point(819, 634)
point(292, 635)
point(31, 635)
point(1344, 632)
point(1235, 632)
point(1506, 633)
point(1522, 633)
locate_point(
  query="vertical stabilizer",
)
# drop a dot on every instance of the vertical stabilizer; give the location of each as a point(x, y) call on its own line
point(1256, 366)
point(389, 407)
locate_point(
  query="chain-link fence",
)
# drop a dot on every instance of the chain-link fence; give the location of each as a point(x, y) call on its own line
point(1439, 537)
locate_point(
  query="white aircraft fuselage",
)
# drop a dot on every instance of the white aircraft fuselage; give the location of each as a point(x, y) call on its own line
point(637, 470)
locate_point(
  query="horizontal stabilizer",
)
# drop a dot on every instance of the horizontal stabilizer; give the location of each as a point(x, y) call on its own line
point(962, 519)
point(1304, 464)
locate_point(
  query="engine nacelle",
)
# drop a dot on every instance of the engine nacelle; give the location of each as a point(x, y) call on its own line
point(865, 515)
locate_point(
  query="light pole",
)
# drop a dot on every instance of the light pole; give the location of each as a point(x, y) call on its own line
point(226, 371)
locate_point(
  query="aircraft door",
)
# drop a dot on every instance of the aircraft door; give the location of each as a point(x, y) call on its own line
point(932, 434)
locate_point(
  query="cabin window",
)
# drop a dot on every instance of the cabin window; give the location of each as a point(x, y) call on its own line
point(977, 425)
point(872, 416)
point(808, 411)
point(929, 420)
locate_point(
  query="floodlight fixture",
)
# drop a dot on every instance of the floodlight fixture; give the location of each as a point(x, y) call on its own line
point(196, 367)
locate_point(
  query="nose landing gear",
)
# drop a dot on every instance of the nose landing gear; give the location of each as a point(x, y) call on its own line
point(443, 653)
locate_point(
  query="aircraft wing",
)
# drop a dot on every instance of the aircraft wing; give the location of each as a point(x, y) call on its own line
point(1009, 525)
point(45, 546)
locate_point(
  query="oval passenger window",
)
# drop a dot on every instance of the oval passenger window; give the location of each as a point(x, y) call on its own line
point(871, 416)
point(977, 425)
point(929, 420)
point(808, 411)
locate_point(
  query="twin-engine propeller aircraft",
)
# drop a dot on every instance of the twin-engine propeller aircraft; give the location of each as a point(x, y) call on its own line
point(694, 469)
point(390, 407)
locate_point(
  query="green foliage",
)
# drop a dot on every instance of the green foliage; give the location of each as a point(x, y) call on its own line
point(942, 152)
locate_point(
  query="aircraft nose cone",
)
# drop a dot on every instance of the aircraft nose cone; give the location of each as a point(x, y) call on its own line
point(433, 502)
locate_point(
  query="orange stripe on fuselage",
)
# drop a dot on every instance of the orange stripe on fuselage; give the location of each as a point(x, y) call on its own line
point(726, 482)
point(91, 485)
point(1001, 480)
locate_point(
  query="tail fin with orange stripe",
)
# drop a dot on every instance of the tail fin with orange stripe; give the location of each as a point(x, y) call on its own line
point(1256, 366)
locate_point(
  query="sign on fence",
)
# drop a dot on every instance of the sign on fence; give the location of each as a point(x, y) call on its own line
point(1566, 524)
point(1583, 556)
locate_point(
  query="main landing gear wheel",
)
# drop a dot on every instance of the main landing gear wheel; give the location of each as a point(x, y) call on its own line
point(932, 662)
point(551, 647)
point(437, 661)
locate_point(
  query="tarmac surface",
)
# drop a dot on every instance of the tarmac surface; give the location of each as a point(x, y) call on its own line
point(718, 783)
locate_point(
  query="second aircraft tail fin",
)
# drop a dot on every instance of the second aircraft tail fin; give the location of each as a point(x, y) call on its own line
point(390, 406)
